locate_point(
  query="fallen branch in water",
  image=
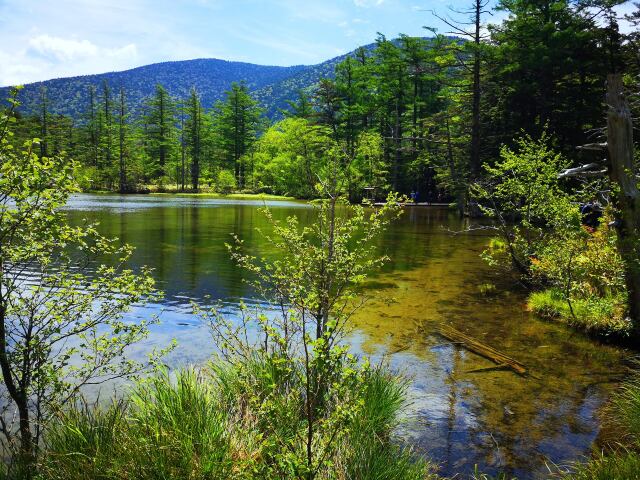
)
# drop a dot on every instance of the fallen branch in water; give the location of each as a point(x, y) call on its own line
point(479, 348)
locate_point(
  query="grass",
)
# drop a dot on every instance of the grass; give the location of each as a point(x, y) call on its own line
point(173, 192)
point(604, 316)
point(621, 461)
point(205, 425)
point(166, 429)
point(368, 453)
point(625, 409)
point(624, 465)
point(234, 196)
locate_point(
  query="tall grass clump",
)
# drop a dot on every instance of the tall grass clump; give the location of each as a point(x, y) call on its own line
point(86, 442)
point(167, 428)
point(211, 425)
point(621, 461)
point(624, 465)
point(605, 316)
point(368, 451)
point(625, 409)
point(179, 428)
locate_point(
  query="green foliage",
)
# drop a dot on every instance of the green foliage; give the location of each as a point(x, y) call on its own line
point(166, 429)
point(159, 127)
point(625, 409)
point(225, 182)
point(179, 427)
point(236, 121)
point(592, 257)
point(61, 305)
point(288, 156)
point(193, 139)
point(523, 195)
point(587, 275)
point(547, 71)
point(295, 364)
point(294, 156)
point(621, 466)
point(601, 315)
point(542, 239)
point(85, 442)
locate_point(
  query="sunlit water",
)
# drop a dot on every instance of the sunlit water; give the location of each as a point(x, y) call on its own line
point(459, 414)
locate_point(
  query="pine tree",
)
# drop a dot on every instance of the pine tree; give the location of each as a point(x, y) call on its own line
point(107, 127)
point(194, 131)
point(302, 107)
point(237, 121)
point(93, 127)
point(122, 124)
point(160, 130)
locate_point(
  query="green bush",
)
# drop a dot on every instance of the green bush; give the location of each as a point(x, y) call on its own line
point(225, 181)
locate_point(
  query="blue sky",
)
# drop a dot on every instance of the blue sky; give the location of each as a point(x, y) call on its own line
point(42, 39)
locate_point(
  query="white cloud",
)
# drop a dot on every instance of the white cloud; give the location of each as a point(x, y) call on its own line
point(367, 3)
point(60, 48)
point(68, 49)
point(48, 56)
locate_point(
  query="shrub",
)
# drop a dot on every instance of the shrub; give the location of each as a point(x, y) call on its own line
point(225, 181)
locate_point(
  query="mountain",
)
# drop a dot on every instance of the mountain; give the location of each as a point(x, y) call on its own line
point(271, 86)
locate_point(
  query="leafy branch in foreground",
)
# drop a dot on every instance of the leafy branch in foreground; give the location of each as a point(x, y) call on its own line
point(61, 309)
point(301, 348)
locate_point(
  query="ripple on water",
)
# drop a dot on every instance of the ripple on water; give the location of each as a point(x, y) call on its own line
point(458, 414)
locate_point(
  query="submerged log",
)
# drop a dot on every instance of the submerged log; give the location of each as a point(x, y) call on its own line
point(479, 348)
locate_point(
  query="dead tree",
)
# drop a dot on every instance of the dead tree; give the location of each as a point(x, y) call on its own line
point(627, 198)
point(619, 166)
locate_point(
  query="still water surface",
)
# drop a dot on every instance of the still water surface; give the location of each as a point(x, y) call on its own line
point(459, 415)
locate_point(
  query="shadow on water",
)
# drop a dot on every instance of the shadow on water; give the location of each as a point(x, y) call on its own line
point(460, 414)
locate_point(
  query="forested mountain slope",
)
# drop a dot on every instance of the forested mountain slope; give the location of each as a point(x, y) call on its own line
point(271, 86)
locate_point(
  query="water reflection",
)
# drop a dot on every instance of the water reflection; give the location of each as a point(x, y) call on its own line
point(460, 415)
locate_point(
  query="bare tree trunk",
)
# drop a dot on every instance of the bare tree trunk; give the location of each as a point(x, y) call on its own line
point(622, 173)
point(16, 391)
point(460, 200)
point(183, 154)
point(475, 116)
point(44, 122)
point(123, 170)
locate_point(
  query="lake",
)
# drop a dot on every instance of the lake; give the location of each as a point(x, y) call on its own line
point(461, 413)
